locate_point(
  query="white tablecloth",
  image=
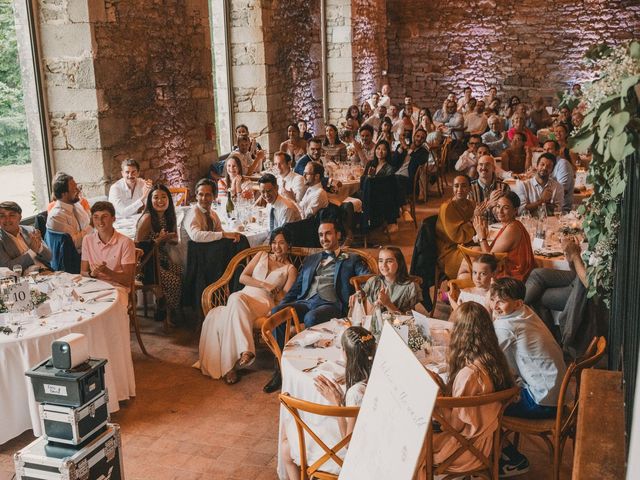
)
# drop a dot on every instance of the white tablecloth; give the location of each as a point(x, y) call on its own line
point(106, 325)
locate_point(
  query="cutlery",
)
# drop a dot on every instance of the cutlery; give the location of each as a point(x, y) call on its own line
point(310, 369)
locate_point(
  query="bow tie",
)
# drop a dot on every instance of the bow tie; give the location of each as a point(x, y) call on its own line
point(328, 254)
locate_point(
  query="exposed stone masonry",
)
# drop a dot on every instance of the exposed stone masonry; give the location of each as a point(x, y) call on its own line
point(525, 48)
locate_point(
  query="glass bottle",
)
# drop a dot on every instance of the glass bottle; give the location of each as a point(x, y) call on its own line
point(376, 322)
point(230, 206)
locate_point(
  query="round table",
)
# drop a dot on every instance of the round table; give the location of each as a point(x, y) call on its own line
point(104, 322)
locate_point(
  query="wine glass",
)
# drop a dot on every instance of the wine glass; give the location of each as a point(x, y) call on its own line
point(17, 270)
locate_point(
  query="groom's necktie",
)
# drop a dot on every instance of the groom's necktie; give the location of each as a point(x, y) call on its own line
point(272, 219)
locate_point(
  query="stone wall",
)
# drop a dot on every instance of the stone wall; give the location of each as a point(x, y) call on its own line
point(292, 31)
point(128, 79)
point(369, 46)
point(153, 69)
point(526, 48)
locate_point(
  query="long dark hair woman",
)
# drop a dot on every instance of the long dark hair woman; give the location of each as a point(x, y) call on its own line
point(158, 225)
point(380, 166)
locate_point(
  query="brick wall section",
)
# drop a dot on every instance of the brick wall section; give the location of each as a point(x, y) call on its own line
point(293, 63)
point(529, 46)
point(153, 67)
point(369, 24)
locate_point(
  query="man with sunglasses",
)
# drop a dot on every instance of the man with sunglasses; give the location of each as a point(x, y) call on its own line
point(468, 161)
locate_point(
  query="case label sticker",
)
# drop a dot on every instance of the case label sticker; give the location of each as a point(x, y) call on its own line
point(55, 390)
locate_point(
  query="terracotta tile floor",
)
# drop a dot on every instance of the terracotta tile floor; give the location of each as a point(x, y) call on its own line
point(185, 426)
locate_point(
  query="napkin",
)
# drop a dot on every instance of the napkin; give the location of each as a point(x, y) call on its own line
point(309, 338)
point(330, 369)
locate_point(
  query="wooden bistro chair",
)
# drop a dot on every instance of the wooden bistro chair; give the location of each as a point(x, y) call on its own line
point(415, 192)
point(555, 431)
point(290, 318)
point(180, 195)
point(470, 254)
point(133, 302)
point(295, 406)
point(489, 464)
point(442, 165)
point(149, 264)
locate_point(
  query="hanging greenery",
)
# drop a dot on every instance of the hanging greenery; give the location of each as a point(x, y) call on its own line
point(610, 132)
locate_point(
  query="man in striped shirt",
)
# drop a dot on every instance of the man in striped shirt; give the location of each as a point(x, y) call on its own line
point(487, 188)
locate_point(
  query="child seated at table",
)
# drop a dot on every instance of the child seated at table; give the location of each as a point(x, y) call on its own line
point(483, 271)
point(532, 354)
point(476, 366)
point(359, 348)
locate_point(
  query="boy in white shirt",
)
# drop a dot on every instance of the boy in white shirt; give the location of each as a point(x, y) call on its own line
point(483, 271)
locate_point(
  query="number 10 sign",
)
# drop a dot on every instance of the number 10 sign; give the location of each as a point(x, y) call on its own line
point(18, 296)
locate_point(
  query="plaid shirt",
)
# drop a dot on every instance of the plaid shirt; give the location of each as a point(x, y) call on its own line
point(479, 193)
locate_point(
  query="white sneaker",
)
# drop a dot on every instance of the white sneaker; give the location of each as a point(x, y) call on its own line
point(392, 228)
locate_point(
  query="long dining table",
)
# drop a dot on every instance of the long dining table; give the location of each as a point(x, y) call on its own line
point(91, 307)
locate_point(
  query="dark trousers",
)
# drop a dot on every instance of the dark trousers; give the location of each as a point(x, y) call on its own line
point(311, 311)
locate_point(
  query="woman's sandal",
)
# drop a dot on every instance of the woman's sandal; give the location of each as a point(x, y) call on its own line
point(245, 359)
point(231, 377)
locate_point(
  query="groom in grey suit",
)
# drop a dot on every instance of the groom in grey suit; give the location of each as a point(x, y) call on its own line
point(20, 245)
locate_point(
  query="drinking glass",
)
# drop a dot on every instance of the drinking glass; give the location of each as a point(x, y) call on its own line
point(17, 270)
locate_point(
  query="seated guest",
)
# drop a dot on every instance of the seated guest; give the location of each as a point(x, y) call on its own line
point(495, 138)
point(251, 161)
point(538, 116)
point(322, 290)
point(226, 341)
point(562, 172)
point(487, 188)
point(517, 157)
point(305, 134)
point(396, 121)
point(386, 132)
point(315, 198)
point(106, 253)
point(564, 118)
point(333, 150)
point(483, 271)
point(512, 239)
point(217, 169)
point(359, 349)
point(314, 154)
point(532, 354)
point(158, 224)
point(201, 223)
point(468, 161)
point(353, 114)
point(291, 185)
point(129, 194)
point(450, 121)
point(476, 366)
point(454, 227)
point(425, 121)
point(385, 95)
point(541, 190)
point(410, 111)
point(235, 183)
point(518, 126)
point(380, 165)
point(364, 149)
point(491, 96)
point(391, 289)
point(68, 216)
point(366, 110)
point(475, 121)
point(280, 209)
point(510, 107)
point(561, 134)
point(465, 100)
point(19, 244)
point(550, 289)
point(374, 121)
point(407, 159)
point(295, 146)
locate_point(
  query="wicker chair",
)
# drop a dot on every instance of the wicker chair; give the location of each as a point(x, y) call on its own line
point(218, 292)
point(180, 195)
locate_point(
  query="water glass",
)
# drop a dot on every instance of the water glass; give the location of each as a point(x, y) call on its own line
point(17, 270)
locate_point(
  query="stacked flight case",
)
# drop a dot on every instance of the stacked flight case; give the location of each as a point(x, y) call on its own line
point(79, 443)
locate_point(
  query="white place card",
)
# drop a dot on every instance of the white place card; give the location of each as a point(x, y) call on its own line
point(394, 417)
point(20, 295)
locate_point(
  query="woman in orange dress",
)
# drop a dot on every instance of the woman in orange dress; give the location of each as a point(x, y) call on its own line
point(454, 227)
point(512, 239)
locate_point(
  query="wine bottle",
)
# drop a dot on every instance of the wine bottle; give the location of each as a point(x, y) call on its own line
point(230, 206)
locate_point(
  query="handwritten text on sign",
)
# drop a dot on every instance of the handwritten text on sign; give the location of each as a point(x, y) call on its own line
point(19, 296)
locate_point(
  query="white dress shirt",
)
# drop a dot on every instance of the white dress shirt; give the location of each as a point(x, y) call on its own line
point(294, 182)
point(315, 198)
point(467, 160)
point(284, 210)
point(127, 202)
point(563, 173)
point(195, 225)
point(475, 123)
point(530, 191)
point(70, 218)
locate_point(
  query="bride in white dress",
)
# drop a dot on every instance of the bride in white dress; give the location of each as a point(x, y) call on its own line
point(226, 342)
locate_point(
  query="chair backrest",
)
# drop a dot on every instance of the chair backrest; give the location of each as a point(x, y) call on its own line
point(180, 195)
point(289, 317)
point(139, 256)
point(567, 410)
point(148, 265)
point(217, 293)
point(444, 152)
point(489, 463)
point(40, 222)
point(470, 254)
point(64, 255)
point(295, 406)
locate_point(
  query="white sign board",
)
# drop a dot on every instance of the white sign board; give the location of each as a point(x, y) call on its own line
point(19, 295)
point(396, 411)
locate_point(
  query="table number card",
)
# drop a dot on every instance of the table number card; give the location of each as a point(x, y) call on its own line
point(20, 294)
